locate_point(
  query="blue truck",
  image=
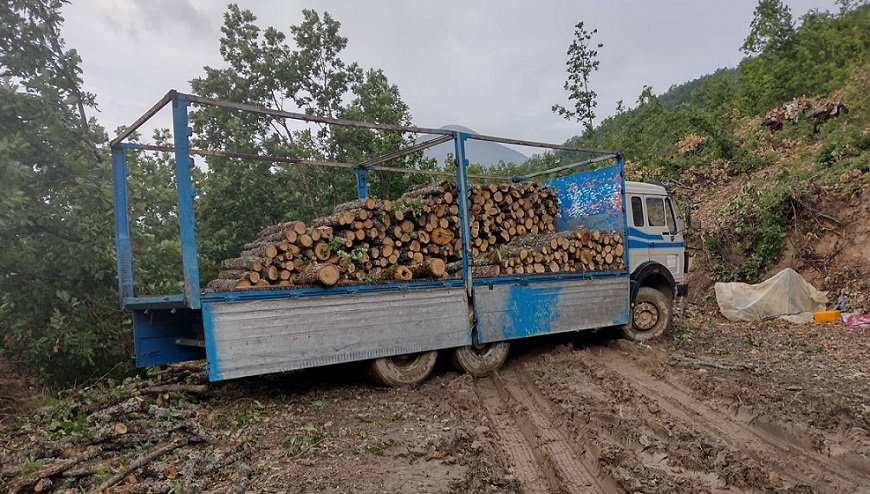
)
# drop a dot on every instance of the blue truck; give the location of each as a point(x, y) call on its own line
point(401, 327)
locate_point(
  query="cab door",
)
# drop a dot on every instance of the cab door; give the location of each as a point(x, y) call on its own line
point(664, 241)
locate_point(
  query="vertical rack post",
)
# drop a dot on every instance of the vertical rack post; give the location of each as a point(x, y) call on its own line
point(462, 194)
point(183, 163)
point(362, 184)
point(123, 250)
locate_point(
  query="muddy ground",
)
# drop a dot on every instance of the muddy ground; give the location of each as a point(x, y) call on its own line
point(711, 407)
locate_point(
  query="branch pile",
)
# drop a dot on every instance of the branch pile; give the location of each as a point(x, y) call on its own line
point(141, 437)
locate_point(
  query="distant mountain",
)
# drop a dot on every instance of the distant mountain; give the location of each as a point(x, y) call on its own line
point(483, 152)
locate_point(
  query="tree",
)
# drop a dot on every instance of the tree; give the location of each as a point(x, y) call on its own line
point(303, 73)
point(582, 61)
point(771, 30)
point(58, 295)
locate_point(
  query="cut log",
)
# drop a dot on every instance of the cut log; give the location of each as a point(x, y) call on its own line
point(441, 236)
point(323, 274)
point(434, 267)
point(322, 251)
point(396, 273)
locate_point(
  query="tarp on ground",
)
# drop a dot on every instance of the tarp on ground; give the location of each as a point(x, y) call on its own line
point(784, 293)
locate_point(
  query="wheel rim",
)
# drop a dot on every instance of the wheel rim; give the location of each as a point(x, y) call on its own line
point(645, 316)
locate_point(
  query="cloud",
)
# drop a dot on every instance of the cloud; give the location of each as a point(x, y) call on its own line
point(165, 16)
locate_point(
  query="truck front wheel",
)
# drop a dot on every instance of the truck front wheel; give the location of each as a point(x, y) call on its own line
point(651, 315)
point(480, 360)
point(403, 370)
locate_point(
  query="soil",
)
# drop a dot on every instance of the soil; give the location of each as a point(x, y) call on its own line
point(711, 407)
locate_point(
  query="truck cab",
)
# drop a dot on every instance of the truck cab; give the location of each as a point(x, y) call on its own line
point(658, 260)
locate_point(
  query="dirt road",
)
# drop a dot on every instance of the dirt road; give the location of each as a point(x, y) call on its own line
point(713, 407)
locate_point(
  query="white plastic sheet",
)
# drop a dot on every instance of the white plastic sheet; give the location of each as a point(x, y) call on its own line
point(782, 294)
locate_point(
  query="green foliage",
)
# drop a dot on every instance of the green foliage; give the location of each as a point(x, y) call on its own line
point(304, 442)
point(814, 59)
point(582, 62)
point(303, 73)
point(58, 294)
point(754, 231)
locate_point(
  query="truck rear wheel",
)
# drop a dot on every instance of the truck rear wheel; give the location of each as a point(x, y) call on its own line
point(403, 370)
point(480, 360)
point(650, 315)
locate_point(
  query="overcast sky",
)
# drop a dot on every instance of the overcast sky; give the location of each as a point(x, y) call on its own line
point(496, 67)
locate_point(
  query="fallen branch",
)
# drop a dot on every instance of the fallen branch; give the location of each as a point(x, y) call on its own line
point(229, 460)
point(195, 389)
point(139, 462)
point(159, 487)
point(34, 477)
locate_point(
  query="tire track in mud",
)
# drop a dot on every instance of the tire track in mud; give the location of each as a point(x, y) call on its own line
point(794, 462)
point(520, 454)
point(564, 468)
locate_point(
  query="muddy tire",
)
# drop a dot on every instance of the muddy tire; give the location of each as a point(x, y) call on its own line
point(403, 370)
point(481, 361)
point(651, 315)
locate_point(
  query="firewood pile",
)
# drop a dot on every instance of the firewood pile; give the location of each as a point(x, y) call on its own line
point(140, 437)
point(417, 237)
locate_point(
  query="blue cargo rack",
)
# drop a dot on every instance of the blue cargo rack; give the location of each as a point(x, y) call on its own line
point(264, 331)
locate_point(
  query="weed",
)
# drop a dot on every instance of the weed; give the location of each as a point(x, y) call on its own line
point(752, 341)
point(685, 336)
point(305, 442)
point(812, 348)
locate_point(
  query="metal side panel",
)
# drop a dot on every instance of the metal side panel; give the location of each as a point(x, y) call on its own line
point(518, 310)
point(263, 336)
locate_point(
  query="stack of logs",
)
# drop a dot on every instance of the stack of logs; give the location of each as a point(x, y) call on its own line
point(417, 236)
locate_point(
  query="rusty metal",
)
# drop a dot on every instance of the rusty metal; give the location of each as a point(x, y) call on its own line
point(405, 152)
point(144, 118)
point(314, 118)
point(299, 161)
point(520, 142)
point(565, 167)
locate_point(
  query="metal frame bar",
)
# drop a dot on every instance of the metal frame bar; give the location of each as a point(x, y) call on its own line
point(170, 96)
point(186, 219)
point(463, 189)
point(567, 167)
point(123, 249)
point(362, 182)
point(299, 161)
point(182, 150)
point(406, 151)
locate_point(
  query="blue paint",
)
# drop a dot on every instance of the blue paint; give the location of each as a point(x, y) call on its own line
point(154, 334)
point(183, 163)
point(362, 183)
point(123, 249)
point(335, 290)
point(634, 232)
point(462, 189)
point(214, 371)
point(530, 310)
point(591, 200)
point(154, 302)
point(644, 244)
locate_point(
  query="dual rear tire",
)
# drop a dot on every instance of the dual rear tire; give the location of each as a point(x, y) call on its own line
point(411, 369)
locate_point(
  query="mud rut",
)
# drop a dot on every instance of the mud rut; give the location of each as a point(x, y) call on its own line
point(596, 421)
